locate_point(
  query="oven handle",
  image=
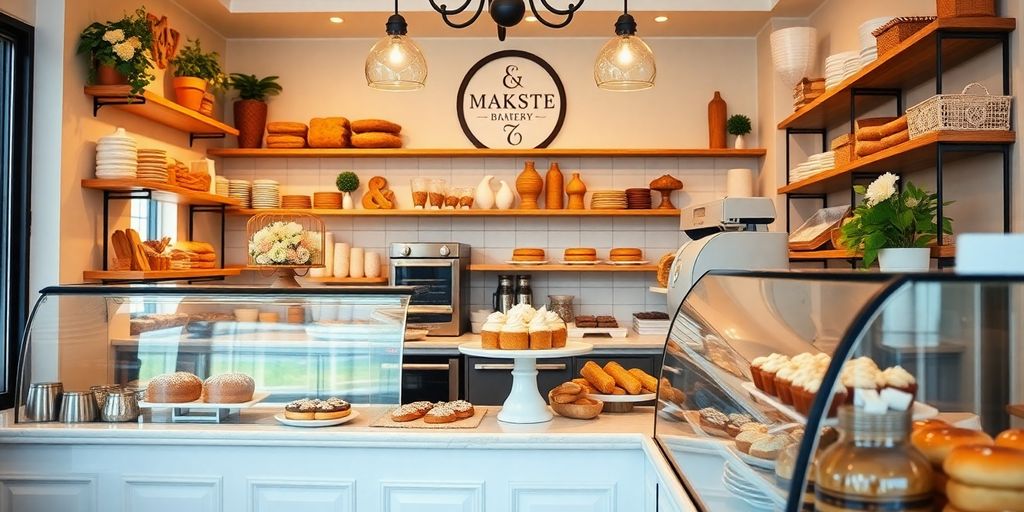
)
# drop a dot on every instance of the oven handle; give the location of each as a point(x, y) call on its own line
point(422, 263)
point(425, 367)
point(540, 367)
point(431, 310)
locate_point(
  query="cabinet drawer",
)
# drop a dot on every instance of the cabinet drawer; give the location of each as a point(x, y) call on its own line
point(489, 381)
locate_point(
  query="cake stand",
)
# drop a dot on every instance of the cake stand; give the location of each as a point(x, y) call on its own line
point(525, 403)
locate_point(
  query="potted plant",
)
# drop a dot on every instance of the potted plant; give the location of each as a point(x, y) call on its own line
point(347, 183)
point(894, 227)
point(117, 51)
point(195, 71)
point(251, 107)
point(739, 125)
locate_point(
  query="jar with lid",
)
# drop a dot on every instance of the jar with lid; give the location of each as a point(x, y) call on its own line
point(873, 466)
point(562, 305)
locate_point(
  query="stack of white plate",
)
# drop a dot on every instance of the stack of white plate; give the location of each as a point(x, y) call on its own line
point(794, 53)
point(153, 165)
point(116, 156)
point(868, 43)
point(744, 489)
point(223, 186)
point(815, 164)
point(608, 200)
point(266, 194)
point(835, 68)
point(851, 66)
point(240, 189)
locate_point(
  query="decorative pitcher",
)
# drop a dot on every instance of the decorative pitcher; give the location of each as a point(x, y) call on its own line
point(505, 197)
point(484, 198)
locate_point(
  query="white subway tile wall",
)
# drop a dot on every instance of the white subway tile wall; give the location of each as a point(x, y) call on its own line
point(493, 238)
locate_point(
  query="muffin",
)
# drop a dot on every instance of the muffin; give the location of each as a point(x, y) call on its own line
point(768, 371)
point(559, 333)
point(898, 378)
point(540, 335)
point(515, 334)
point(755, 371)
point(784, 382)
point(861, 373)
point(491, 330)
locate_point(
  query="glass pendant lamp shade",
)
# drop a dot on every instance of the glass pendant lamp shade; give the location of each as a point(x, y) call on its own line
point(625, 63)
point(396, 63)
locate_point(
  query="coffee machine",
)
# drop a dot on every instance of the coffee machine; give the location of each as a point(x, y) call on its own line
point(511, 290)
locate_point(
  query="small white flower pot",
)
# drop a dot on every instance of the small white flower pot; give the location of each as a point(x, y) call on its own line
point(346, 202)
point(741, 142)
point(905, 259)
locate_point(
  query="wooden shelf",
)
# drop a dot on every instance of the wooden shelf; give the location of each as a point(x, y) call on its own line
point(909, 64)
point(343, 281)
point(505, 267)
point(158, 109)
point(463, 213)
point(161, 191)
point(482, 153)
point(161, 275)
point(945, 251)
point(911, 155)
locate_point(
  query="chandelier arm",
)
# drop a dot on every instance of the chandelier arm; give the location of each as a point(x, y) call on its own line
point(568, 13)
point(447, 13)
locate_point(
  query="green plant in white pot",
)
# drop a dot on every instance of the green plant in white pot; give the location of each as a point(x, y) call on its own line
point(894, 227)
point(739, 125)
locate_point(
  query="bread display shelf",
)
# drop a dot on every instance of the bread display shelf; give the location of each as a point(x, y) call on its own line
point(483, 153)
point(503, 267)
point(464, 213)
point(342, 281)
point(202, 412)
point(157, 109)
point(161, 191)
point(911, 63)
point(944, 251)
point(912, 155)
point(162, 275)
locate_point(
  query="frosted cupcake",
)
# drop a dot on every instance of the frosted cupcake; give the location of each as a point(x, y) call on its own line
point(898, 378)
point(524, 311)
point(755, 370)
point(559, 334)
point(540, 335)
point(861, 373)
point(491, 329)
point(768, 370)
point(514, 334)
point(784, 382)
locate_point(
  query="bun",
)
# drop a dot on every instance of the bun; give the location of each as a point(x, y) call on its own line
point(1012, 438)
point(987, 466)
point(983, 499)
point(228, 388)
point(928, 424)
point(936, 443)
point(174, 388)
point(580, 254)
point(376, 140)
point(376, 125)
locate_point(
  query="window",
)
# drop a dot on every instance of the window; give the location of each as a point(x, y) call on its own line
point(15, 148)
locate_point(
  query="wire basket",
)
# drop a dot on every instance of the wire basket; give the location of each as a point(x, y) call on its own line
point(962, 112)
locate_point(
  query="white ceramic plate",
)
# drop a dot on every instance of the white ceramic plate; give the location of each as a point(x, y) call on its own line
point(315, 423)
point(567, 262)
point(527, 263)
point(757, 462)
point(627, 263)
point(624, 398)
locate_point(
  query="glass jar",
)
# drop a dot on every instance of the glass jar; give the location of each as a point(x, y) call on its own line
point(562, 305)
point(873, 466)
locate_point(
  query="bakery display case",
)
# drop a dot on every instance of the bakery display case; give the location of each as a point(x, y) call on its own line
point(837, 390)
point(202, 354)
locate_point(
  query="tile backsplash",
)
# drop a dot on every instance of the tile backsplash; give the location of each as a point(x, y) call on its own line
point(493, 238)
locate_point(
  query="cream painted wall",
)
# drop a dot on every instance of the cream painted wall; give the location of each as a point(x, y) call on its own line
point(24, 10)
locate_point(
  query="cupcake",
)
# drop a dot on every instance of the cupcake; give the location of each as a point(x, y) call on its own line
point(839, 396)
point(490, 331)
point(900, 379)
point(558, 329)
point(784, 382)
point(540, 335)
point(861, 373)
point(524, 311)
point(755, 370)
point(514, 334)
point(802, 398)
point(769, 369)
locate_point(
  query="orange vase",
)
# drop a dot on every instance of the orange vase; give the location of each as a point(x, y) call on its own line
point(554, 195)
point(576, 190)
point(716, 122)
point(529, 185)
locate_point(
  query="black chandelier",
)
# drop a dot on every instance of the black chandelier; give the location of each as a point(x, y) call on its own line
point(506, 13)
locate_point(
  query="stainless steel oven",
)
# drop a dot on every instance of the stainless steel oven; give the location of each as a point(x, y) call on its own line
point(440, 273)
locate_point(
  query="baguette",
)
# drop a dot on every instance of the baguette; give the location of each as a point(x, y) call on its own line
point(624, 379)
point(649, 382)
point(598, 378)
point(139, 259)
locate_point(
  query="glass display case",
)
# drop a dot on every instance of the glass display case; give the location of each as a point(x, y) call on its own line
point(748, 430)
point(277, 345)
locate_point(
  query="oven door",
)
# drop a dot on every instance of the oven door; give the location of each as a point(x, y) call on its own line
point(431, 378)
point(437, 295)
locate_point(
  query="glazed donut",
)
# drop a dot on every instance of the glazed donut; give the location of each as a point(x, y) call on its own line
point(971, 498)
point(174, 388)
point(375, 125)
point(376, 140)
point(1012, 438)
point(936, 443)
point(987, 466)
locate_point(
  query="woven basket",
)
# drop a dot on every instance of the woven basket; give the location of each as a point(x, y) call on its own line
point(890, 35)
point(965, 8)
point(843, 148)
point(964, 112)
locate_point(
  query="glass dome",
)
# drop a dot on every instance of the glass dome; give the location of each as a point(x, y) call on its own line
point(625, 63)
point(396, 63)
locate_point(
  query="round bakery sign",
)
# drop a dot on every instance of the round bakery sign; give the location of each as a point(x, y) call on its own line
point(511, 99)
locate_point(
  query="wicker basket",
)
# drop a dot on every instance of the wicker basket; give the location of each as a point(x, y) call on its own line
point(843, 148)
point(963, 112)
point(965, 8)
point(890, 35)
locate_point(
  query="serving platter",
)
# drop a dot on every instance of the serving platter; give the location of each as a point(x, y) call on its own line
point(280, 417)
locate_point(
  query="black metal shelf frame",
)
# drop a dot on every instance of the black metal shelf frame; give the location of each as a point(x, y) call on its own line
point(99, 102)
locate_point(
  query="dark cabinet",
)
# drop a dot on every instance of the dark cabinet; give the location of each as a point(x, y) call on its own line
point(489, 381)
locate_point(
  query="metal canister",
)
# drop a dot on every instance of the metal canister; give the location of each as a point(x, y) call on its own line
point(120, 406)
point(43, 402)
point(77, 407)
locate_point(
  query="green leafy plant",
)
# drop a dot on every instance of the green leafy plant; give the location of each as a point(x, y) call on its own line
point(888, 219)
point(194, 62)
point(251, 88)
point(347, 181)
point(123, 44)
point(738, 125)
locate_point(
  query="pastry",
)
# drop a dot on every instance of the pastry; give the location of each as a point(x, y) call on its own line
point(769, 448)
point(567, 393)
point(304, 409)
point(625, 254)
point(491, 330)
point(748, 437)
point(619, 391)
point(559, 333)
point(1012, 438)
point(527, 254)
point(375, 125)
point(768, 370)
point(174, 388)
point(462, 408)
point(328, 132)
point(194, 247)
point(582, 408)
point(331, 409)
point(580, 254)
point(649, 383)
point(286, 141)
point(376, 140)
point(713, 421)
point(937, 443)
point(514, 334)
point(228, 388)
point(736, 421)
point(598, 378)
point(411, 411)
point(623, 378)
point(987, 466)
point(784, 382)
point(441, 413)
point(664, 267)
point(754, 426)
point(928, 424)
point(898, 378)
point(607, 321)
point(586, 385)
point(540, 334)
point(287, 128)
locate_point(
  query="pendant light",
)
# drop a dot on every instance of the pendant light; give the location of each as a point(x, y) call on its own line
point(625, 63)
point(396, 62)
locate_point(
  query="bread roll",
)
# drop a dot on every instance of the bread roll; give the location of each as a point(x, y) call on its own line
point(624, 379)
point(649, 383)
point(174, 388)
point(376, 140)
point(328, 132)
point(1012, 438)
point(936, 443)
point(228, 388)
point(983, 499)
point(986, 466)
point(598, 378)
point(287, 128)
point(375, 125)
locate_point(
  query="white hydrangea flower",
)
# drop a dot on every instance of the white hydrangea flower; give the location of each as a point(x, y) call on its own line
point(135, 42)
point(114, 36)
point(881, 189)
point(124, 50)
point(303, 254)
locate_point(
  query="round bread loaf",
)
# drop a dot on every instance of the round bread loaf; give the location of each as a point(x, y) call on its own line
point(987, 466)
point(970, 498)
point(376, 140)
point(936, 443)
point(580, 254)
point(625, 254)
point(228, 388)
point(527, 254)
point(375, 125)
point(1012, 438)
point(174, 388)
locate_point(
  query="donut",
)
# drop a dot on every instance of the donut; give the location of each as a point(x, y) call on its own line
point(527, 254)
point(228, 388)
point(375, 125)
point(410, 412)
point(462, 408)
point(970, 498)
point(376, 140)
point(304, 409)
point(936, 443)
point(987, 466)
point(1012, 438)
point(174, 388)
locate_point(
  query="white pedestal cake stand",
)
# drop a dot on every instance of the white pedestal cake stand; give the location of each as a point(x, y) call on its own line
point(525, 403)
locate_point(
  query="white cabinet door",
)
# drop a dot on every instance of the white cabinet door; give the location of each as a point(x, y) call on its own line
point(432, 497)
point(275, 495)
point(171, 494)
point(47, 494)
point(563, 498)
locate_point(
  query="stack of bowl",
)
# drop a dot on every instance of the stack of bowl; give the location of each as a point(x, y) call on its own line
point(117, 156)
point(477, 318)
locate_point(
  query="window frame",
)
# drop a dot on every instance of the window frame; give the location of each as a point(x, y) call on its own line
point(16, 229)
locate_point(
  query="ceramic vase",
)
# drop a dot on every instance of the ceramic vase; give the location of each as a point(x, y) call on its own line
point(716, 122)
point(357, 263)
point(554, 186)
point(341, 259)
point(371, 264)
point(484, 197)
point(740, 143)
point(576, 190)
point(251, 120)
point(346, 201)
point(529, 185)
point(914, 259)
point(504, 198)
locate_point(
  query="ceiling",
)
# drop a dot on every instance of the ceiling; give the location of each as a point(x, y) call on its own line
point(242, 19)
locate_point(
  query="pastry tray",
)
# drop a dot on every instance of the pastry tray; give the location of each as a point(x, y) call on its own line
point(614, 332)
point(921, 410)
point(202, 412)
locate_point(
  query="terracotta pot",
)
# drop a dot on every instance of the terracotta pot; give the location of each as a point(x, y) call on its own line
point(529, 185)
point(107, 74)
point(554, 188)
point(206, 108)
point(576, 190)
point(251, 121)
point(189, 91)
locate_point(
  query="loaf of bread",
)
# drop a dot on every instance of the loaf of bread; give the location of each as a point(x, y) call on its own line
point(328, 132)
point(376, 125)
point(228, 388)
point(174, 388)
point(376, 140)
point(287, 128)
point(194, 247)
point(286, 141)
